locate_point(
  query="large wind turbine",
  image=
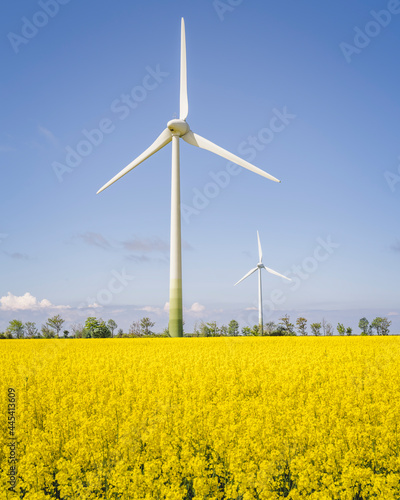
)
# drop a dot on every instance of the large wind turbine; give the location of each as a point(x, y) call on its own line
point(260, 266)
point(176, 129)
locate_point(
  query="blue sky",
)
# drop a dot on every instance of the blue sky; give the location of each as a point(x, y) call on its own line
point(329, 70)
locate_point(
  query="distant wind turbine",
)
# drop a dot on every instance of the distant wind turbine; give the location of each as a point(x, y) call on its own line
point(178, 128)
point(260, 266)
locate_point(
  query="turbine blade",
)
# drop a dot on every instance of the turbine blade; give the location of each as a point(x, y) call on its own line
point(197, 140)
point(246, 275)
point(276, 274)
point(259, 247)
point(163, 139)
point(184, 105)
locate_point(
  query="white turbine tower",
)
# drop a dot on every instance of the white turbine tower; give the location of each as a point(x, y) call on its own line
point(176, 129)
point(260, 266)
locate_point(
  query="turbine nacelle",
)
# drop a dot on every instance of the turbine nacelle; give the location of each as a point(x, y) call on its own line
point(260, 266)
point(178, 127)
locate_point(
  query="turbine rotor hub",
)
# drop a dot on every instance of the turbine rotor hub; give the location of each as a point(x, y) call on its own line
point(178, 127)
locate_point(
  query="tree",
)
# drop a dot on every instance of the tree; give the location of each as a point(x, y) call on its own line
point(385, 325)
point(213, 329)
point(77, 330)
point(120, 333)
point(376, 324)
point(201, 330)
point(280, 331)
point(111, 325)
point(66, 333)
point(341, 329)
point(301, 325)
point(316, 328)
point(233, 328)
point(16, 329)
point(223, 330)
point(269, 327)
point(47, 332)
point(96, 328)
point(30, 330)
point(134, 329)
point(145, 325)
point(102, 331)
point(289, 327)
point(363, 324)
point(324, 326)
point(246, 330)
point(328, 329)
point(381, 325)
point(56, 322)
point(349, 330)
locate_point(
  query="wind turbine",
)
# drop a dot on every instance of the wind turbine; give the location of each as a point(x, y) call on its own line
point(179, 128)
point(260, 266)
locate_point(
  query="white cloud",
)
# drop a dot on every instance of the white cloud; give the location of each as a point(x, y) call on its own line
point(251, 309)
point(197, 308)
point(166, 307)
point(151, 309)
point(95, 305)
point(25, 302)
point(393, 313)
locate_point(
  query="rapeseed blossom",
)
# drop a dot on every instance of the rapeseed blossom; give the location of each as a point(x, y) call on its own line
point(203, 418)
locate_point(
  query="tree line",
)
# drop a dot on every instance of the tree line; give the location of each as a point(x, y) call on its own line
point(98, 328)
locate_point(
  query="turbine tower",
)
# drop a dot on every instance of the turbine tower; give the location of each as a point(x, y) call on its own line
point(260, 266)
point(176, 129)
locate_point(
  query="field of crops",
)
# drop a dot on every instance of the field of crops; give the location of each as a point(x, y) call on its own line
point(203, 418)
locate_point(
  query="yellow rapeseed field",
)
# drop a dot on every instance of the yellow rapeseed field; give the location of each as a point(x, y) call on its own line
point(203, 418)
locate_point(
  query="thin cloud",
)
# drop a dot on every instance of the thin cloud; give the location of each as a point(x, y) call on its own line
point(149, 245)
point(138, 258)
point(11, 302)
point(146, 245)
point(139, 248)
point(396, 246)
point(48, 135)
point(17, 255)
point(146, 259)
point(96, 240)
